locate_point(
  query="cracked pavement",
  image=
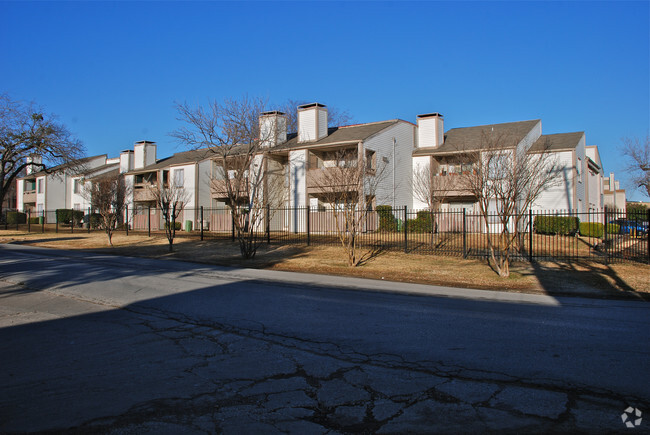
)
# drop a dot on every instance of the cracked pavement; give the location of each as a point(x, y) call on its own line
point(102, 344)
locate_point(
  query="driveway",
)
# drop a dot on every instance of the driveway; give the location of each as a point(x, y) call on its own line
point(125, 345)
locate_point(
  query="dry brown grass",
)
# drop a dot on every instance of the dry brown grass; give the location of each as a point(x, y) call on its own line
point(588, 278)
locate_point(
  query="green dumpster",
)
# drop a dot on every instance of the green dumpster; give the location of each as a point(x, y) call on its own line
point(188, 226)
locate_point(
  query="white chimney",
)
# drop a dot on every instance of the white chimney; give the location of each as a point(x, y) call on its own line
point(126, 161)
point(34, 158)
point(430, 130)
point(312, 122)
point(144, 154)
point(273, 128)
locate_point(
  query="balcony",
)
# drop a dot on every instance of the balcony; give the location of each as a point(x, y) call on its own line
point(330, 179)
point(143, 192)
point(29, 197)
point(219, 190)
point(450, 185)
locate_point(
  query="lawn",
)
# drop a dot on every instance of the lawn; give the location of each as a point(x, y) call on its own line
point(584, 278)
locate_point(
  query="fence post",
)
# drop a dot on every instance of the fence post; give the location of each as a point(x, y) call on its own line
point(308, 212)
point(647, 233)
point(464, 233)
point(232, 225)
point(72, 221)
point(88, 220)
point(268, 224)
point(29, 223)
point(201, 223)
point(56, 216)
point(126, 219)
point(149, 222)
point(406, 241)
point(42, 221)
point(530, 235)
point(605, 236)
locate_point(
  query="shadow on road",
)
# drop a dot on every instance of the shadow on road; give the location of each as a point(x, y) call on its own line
point(187, 358)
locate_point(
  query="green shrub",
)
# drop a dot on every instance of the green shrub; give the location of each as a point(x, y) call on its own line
point(65, 215)
point(636, 211)
point(387, 222)
point(591, 229)
point(556, 225)
point(35, 220)
point(177, 225)
point(16, 217)
point(613, 228)
point(421, 224)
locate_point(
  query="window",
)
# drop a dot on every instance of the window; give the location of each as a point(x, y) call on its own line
point(77, 206)
point(39, 207)
point(75, 185)
point(371, 163)
point(39, 184)
point(179, 177)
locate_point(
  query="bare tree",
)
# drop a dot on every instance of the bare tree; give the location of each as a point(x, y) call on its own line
point(430, 189)
point(170, 200)
point(506, 181)
point(27, 132)
point(638, 152)
point(348, 186)
point(107, 195)
point(246, 174)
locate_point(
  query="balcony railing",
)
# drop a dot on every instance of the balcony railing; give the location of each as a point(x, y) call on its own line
point(143, 192)
point(29, 196)
point(328, 178)
point(219, 190)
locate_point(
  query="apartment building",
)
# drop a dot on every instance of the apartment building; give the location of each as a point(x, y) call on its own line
point(59, 186)
point(392, 152)
point(447, 155)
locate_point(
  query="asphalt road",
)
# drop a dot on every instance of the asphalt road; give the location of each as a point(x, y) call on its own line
point(95, 343)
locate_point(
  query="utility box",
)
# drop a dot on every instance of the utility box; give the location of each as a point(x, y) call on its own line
point(188, 226)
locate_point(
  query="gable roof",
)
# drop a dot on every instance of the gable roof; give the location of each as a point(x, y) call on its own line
point(340, 135)
point(176, 159)
point(557, 142)
point(471, 138)
point(79, 163)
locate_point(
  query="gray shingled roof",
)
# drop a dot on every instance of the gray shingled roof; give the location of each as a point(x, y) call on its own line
point(176, 159)
point(48, 171)
point(557, 142)
point(353, 133)
point(471, 138)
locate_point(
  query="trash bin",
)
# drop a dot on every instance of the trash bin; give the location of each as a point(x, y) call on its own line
point(40, 220)
point(188, 226)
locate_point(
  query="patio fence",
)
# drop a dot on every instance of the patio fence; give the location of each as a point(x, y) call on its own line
point(607, 236)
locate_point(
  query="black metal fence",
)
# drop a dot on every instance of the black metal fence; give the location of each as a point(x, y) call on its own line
point(607, 236)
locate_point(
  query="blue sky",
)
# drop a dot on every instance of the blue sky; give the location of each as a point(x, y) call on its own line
point(113, 70)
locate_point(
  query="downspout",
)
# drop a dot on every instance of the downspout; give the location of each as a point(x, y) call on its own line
point(394, 143)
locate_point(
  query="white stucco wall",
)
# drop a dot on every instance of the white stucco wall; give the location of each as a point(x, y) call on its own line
point(581, 182)
point(419, 163)
point(189, 183)
point(297, 187)
point(560, 195)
